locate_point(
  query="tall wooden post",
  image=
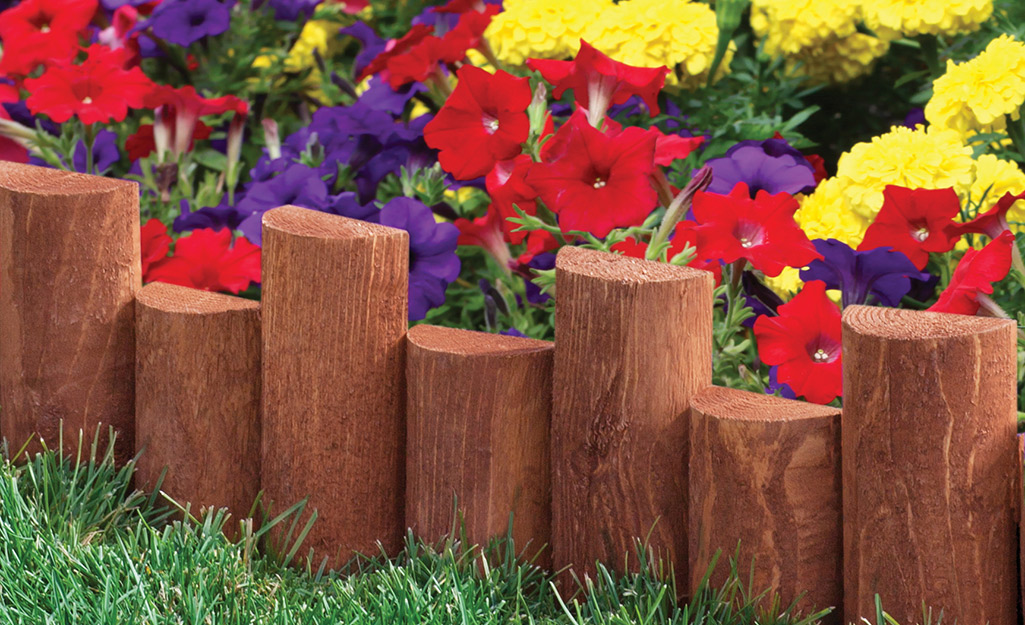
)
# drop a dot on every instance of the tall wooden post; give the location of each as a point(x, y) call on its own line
point(197, 397)
point(765, 474)
point(334, 328)
point(69, 270)
point(479, 411)
point(633, 345)
point(929, 465)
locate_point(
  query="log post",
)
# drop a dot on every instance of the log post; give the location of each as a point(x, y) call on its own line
point(929, 465)
point(478, 414)
point(765, 474)
point(334, 397)
point(633, 345)
point(69, 266)
point(197, 397)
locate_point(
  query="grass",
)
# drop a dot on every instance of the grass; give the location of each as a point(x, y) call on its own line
point(78, 545)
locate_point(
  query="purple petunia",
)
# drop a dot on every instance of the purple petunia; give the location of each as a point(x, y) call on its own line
point(771, 165)
point(433, 263)
point(184, 22)
point(105, 153)
point(291, 10)
point(214, 217)
point(883, 273)
point(298, 185)
point(372, 44)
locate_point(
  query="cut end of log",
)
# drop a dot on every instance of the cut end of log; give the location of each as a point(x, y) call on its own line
point(304, 222)
point(469, 343)
point(914, 325)
point(617, 268)
point(737, 405)
point(180, 299)
point(29, 179)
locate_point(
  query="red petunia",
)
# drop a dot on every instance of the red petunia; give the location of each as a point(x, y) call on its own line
point(414, 36)
point(141, 143)
point(507, 185)
point(684, 235)
point(206, 260)
point(484, 121)
point(761, 230)
point(992, 222)
point(975, 275)
point(670, 147)
point(469, 32)
point(596, 182)
point(804, 342)
point(460, 6)
point(155, 244)
point(915, 222)
point(599, 82)
point(485, 232)
point(186, 106)
point(42, 31)
point(98, 90)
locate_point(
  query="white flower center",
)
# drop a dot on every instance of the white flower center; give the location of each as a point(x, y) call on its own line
point(87, 100)
point(820, 356)
point(599, 183)
point(921, 234)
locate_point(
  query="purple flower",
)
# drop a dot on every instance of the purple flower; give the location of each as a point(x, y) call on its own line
point(291, 10)
point(298, 185)
point(19, 112)
point(105, 153)
point(213, 217)
point(543, 261)
point(371, 42)
point(772, 165)
point(915, 117)
point(774, 386)
point(433, 263)
point(513, 332)
point(185, 22)
point(882, 272)
point(379, 96)
point(346, 204)
point(113, 5)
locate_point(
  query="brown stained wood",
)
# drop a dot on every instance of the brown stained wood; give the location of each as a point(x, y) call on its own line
point(765, 473)
point(69, 266)
point(197, 397)
point(334, 397)
point(929, 466)
point(478, 417)
point(633, 345)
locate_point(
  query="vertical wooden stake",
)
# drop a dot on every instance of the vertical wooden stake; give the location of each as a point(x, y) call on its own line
point(197, 397)
point(765, 473)
point(334, 328)
point(929, 465)
point(478, 412)
point(69, 266)
point(633, 345)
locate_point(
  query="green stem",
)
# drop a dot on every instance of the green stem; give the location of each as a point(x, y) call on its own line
point(931, 52)
point(90, 139)
point(1016, 131)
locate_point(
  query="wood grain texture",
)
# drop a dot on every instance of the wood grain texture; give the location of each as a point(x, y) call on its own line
point(197, 397)
point(69, 266)
point(478, 417)
point(929, 465)
point(334, 397)
point(633, 345)
point(765, 473)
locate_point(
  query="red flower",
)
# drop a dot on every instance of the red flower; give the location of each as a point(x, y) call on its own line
point(187, 107)
point(155, 244)
point(205, 260)
point(762, 230)
point(670, 147)
point(804, 342)
point(10, 150)
point(98, 90)
point(993, 221)
point(141, 144)
point(507, 185)
point(460, 6)
point(975, 275)
point(486, 232)
point(484, 121)
point(416, 34)
point(599, 82)
point(538, 242)
point(683, 235)
point(596, 182)
point(915, 222)
point(42, 31)
point(469, 32)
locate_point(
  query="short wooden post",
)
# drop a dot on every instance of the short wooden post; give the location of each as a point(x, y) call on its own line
point(929, 466)
point(197, 397)
point(478, 412)
point(334, 397)
point(633, 345)
point(69, 266)
point(765, 474)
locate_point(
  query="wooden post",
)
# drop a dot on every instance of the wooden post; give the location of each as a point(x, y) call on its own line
point(929, 465)
point(478, 412)
point(197, 397)
point(633, 345)
point(765, 473)
point(334, 397)
point(69, 266)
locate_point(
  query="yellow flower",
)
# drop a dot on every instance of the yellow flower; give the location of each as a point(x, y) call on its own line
point(895, 18)
point(543, 29)
point(918, 159)
point(994, 178)
point(978, 95)
point(787, 283)
point(319, 35)
point(826, 214)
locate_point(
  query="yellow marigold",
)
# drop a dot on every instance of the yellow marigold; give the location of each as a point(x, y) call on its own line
point(542, 29)
point(678, 34)
point(929, 159)
point(978, 95)
point(319, 35)
point(787, 283)
point(895, 18)
point(840, 59)
point(994, 178)
point(826, 214)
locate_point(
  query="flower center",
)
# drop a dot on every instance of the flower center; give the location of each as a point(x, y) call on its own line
point(87, 100)
point(820, 356)
point(598, 182)
point(45, 28)
point(749, 234)
point(823, 349)
point(921, 232)
point(490, 124)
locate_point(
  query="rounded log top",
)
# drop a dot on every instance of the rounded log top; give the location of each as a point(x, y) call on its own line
point(44, 181)
point(624, 269)
point(737, 405)
point(469, 343)
point(172, 298)
point(917, 325)
point(304, 222)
